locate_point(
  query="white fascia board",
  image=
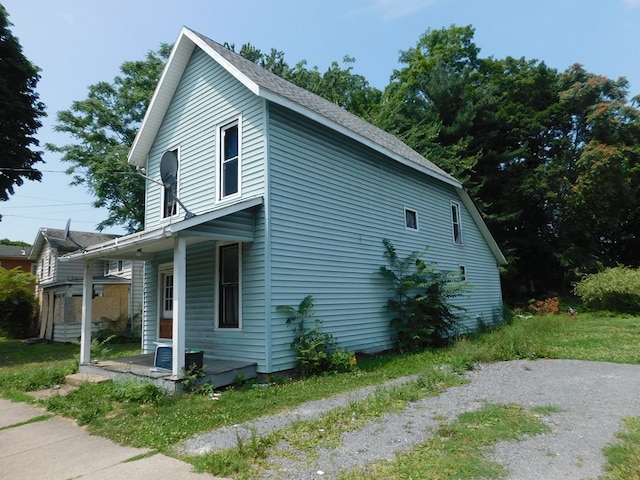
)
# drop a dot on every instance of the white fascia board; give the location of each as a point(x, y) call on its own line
point(161, 99)
point(223, 62)
point(482, 226)
point(131, 242)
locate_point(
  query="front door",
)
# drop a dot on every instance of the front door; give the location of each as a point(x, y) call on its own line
point(166, 303)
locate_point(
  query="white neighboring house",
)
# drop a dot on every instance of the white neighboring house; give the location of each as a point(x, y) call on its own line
point(117, 286)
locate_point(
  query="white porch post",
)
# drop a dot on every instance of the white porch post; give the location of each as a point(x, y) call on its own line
point(87, 303)
point(179, 298)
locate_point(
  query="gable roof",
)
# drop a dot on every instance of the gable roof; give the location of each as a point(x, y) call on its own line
point(273, 88)
point(266, 84)
point(76, 241)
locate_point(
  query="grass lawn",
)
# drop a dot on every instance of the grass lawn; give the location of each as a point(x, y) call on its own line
point(137, 415)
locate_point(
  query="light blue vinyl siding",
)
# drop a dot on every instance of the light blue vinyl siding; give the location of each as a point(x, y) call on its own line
point(246, 344)
point(332, 203)
point(206, 98)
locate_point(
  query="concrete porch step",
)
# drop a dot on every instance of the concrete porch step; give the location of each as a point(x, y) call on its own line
point(77, 379)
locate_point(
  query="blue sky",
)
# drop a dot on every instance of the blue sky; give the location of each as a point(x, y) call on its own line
point(77, 43)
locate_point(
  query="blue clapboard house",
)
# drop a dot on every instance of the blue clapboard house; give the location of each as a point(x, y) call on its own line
point(282, 194)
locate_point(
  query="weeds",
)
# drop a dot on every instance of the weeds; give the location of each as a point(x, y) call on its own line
point(458, 449)
point(623, 459)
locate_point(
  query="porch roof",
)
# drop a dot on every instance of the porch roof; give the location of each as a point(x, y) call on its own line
point(142, 245)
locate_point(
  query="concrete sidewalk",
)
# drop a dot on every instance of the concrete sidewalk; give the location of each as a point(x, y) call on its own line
point(56, 448)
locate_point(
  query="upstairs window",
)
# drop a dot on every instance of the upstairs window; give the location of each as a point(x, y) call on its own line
point(120, 265)
point(456, 224)
point(169, 195)
point(410, 219)
point(229, 161)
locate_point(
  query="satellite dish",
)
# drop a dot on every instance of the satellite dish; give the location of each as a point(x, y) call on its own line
point(169, 176)
point(67, 235)
point(169, 168)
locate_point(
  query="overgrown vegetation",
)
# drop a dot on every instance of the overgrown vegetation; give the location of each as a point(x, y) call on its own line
point(424, 314)
point(459, 449)
point(623, 459)
point(316, 351)
point(616, 289)
point(18, 304)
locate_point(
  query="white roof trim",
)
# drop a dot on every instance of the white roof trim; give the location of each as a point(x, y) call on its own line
point(130, 243)
point(484, 230)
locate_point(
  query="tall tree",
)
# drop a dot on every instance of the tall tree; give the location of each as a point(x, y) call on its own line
point(551, 158)
point(20, 113)
point(104, 126)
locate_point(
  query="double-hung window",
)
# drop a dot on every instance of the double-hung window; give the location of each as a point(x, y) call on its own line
point(456, 224)
point(229, 291)
point(229, 161)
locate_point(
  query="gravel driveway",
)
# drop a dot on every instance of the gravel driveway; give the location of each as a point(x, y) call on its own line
point(592, 398)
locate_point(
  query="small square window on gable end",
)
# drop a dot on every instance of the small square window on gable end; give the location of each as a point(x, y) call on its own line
point(228, 168)
point(410, 219)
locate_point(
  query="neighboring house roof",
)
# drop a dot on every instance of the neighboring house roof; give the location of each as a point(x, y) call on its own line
point(14, 251)
point(58, 239)
point(266, 84)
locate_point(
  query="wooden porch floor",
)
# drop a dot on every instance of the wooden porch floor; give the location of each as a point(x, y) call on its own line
point(220, 373)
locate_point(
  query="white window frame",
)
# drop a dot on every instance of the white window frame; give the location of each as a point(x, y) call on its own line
point(455, 212)
point(163, 193)
point(217, 288)
point(463, 272)
point(220, 160)
point(406, 223)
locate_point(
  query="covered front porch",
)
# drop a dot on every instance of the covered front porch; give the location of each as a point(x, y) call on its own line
point(232, 223)
point(142, 367)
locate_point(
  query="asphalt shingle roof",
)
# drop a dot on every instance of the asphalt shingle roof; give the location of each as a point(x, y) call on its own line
point(287, 90)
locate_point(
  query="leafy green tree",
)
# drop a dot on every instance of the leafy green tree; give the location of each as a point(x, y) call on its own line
point(600, 174)
point(20, 113)
point(18, 305)
point(104, 126)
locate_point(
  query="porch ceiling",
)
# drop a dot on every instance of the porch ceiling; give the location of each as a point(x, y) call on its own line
point(143, 245)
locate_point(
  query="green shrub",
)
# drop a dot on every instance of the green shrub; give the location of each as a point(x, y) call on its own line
point(316, 351)
point(616, 289)
point(18, 305)
point(424, 315)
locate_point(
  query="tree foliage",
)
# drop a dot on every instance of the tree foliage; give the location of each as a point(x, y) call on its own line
point(18, 305)
point(20, 113)
point(551, 158)
point(103, 127)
